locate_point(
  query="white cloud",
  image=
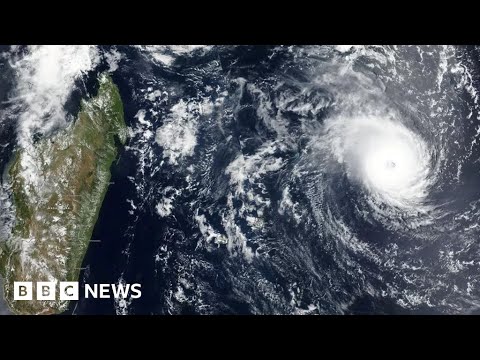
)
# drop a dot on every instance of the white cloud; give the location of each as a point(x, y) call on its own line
point(165, 206)
point(208, 232)
point(113, 57)
point(45, 77)
point(250, 168)
point(166, 54)
point(178, 135)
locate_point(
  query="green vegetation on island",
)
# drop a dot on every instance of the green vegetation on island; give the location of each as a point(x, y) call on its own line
point(58, 186)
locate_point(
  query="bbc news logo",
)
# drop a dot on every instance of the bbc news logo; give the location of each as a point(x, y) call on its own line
point(69, 290)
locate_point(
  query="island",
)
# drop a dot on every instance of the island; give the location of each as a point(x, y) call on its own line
point(58, 185)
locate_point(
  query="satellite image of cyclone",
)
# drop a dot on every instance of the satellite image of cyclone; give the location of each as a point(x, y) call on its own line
point(242, 179)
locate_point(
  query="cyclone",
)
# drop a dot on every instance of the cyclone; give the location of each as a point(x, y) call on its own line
point(389, 177)
point(391, 161)
point(274, 179)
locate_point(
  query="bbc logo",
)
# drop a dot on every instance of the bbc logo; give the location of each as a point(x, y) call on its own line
point(23, 290)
